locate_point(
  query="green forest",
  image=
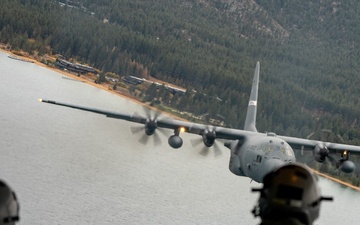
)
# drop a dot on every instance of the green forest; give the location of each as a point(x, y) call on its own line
point(308, 51)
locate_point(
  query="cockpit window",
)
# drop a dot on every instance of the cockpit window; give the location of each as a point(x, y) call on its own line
point(288, 149)
point(283, 148)
point(269, 147)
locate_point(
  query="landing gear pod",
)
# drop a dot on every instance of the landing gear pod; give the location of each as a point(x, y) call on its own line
point(175, 141)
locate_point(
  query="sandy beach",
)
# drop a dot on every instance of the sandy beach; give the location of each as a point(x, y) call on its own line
point(108, 87)
point(105, 86)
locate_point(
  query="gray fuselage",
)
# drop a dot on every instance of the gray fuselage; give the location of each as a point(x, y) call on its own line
point(258, 155)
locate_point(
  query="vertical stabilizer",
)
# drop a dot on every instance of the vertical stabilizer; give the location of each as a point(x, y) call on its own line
point(250, 120)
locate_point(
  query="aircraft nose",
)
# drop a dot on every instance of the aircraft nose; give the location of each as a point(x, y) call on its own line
point(272, 164)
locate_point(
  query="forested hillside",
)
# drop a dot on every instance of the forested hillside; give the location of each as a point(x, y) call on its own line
point(308, 51)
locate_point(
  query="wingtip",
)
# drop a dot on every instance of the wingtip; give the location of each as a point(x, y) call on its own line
point(47, 101)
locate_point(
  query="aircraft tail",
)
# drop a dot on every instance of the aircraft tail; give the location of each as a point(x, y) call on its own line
point(250, 121)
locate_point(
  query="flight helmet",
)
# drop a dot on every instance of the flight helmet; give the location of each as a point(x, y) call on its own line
point(289, 192)
point(9, 206)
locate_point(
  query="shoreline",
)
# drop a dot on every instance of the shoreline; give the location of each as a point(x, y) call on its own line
point(106, 87)
point(72, 76)
point(86, 80)
point(337, 180)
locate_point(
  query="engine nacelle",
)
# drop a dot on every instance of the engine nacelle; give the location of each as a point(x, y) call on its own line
point(320, 153)
point(209, 138)
point(149, 131)
point(175, 141)
point(150, 127)
point(208, 142)
point(347, 166)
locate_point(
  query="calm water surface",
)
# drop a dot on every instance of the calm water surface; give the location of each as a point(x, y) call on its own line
point(73, 167)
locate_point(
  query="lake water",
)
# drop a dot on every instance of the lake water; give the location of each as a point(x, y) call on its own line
point(73, 167)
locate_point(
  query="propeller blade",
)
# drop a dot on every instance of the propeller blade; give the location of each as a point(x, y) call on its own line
point(341, 139)
point(217, 149)
point(165, 132)
point(144, 139)
point(204, 151)
point(208, 133)
point(137, 117)
point(303, 157)
point(151, 114)
point(156, 115)
point(149, 127)
point(326, 135)
point(147, 112)
point(196, 142)
point(331, 158)
point(136, 130)
point(310, 135)
point(157, 140)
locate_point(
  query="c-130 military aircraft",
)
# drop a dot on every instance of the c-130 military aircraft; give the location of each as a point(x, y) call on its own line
point(253, 154)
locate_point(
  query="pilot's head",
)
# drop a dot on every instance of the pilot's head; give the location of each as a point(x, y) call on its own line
point(290, 192)
point(9, 207)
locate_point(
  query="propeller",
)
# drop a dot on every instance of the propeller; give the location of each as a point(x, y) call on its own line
point(322, 153)
point(149, 128)
point(208, 138)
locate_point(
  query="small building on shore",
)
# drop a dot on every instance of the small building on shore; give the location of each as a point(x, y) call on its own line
point(73, 67)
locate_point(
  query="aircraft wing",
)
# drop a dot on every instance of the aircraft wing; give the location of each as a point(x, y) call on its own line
point(220, 132)
point(173, 124)
point(306, 144)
